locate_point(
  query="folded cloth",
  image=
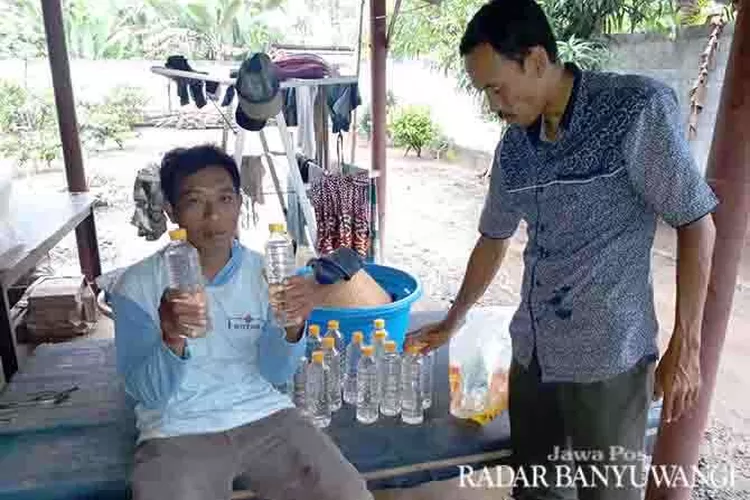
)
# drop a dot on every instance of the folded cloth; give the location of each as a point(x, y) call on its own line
point(306, 66)
point(341, 264)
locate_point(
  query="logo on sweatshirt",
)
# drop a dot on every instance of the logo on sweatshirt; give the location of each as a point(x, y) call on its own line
point(246, 322)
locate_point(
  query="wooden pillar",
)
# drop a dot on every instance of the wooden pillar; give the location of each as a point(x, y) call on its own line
point(377, 74)
point(88, 251)
point(729, 175)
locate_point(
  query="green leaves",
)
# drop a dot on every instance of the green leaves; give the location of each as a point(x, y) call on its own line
point(412, 128)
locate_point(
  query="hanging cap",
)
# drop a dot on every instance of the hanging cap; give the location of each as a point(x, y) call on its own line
point(333, 324)
point(178, 234)
point(380, 334)
point(379, 324)
point(258, 92)
point(317, 356)
point(276, 227)
point(314, 330)
point(367, 350)
point(329, 342)
point(390, 346)
point(358, 337)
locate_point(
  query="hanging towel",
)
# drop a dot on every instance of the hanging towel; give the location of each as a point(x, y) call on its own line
point(342, 209)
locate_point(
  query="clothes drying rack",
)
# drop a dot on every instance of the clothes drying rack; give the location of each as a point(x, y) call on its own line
point(297, 184)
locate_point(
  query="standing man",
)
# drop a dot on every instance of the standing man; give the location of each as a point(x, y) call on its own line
point(590, 161)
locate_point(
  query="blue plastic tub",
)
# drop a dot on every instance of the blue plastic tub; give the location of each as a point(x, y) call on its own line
point(405, 290)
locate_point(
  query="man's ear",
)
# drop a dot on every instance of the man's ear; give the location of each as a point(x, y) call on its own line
point(169, 210)
point(537, 61)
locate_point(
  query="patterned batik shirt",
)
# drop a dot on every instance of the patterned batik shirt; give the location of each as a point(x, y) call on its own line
point(591, 200)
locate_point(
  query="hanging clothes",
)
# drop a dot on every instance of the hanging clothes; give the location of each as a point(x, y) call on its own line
point(341, 99)
point(184, 84)
point(149, 216)
point(342, 210)
point(305, 102)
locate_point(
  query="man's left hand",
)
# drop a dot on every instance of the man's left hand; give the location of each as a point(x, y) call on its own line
point(678, 378)
point(297, 298)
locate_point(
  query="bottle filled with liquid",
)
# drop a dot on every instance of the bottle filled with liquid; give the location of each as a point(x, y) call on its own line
point(313, 342)
point(316, 391)
point(428, 366)
point(185, 274)
point(390, 406)
point(378, 344)
point(335, 333)
point(412, 410)
point(299, 382)
point(353, 355)
point(367, 387)
point(332, 361)
point(279, 265)
point(378, 324)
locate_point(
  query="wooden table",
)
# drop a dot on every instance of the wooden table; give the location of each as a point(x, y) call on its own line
point(40, 222)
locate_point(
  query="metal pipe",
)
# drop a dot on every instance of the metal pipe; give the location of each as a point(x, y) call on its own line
point(377, 75)
point(88, 250)
point(729, 174)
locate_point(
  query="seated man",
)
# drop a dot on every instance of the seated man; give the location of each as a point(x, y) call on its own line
point(207, 411)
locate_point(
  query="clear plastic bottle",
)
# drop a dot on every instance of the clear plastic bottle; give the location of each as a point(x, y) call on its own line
point(378, 344)
point(318, 400)
point(378, 324)
point(428, 366)
point(353, 355)
point(334, 332)
point(299, 381)
point(185, 273)
point(313, 342)
point(332, 359)
point(412, 411)
point(390, 406)
point(367, 386)
point(279, 263)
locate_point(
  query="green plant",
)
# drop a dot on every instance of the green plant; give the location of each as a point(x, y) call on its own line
point(412, 128)
point(365, 122)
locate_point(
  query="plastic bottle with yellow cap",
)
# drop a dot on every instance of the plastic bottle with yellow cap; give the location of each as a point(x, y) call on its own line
point(185, 274)
point(279, 265)
point(316, 392)
point(412, 410)
point(390, 404)
point(367, 387)
point(332, 360)
point(353, 355)
point(334, 332)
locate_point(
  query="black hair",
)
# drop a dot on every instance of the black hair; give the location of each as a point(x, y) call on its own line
point(183, 162)
point(512, 28)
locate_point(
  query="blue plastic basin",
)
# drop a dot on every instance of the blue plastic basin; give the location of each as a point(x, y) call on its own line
point(403, 288)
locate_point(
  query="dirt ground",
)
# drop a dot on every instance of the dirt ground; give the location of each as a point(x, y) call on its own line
point(433, 209)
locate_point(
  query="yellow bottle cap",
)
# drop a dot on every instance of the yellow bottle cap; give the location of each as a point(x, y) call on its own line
point(314, 330)
point(368, 350)
point(276, 228)
point(380, 334)
point(413, 349)
point(317, 356)
point(329, 342)
point(379, 324)
point(358, 337)
point(178, 234)
point(390, 346)
point(333, 324)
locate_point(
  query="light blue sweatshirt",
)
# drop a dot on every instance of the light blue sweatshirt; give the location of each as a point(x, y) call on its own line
point(224, 380)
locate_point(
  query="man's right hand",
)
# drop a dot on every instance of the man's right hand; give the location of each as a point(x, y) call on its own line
point(181, 315)
point(431, 336)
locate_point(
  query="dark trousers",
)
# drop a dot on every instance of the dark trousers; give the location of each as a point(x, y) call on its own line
point(600, 425)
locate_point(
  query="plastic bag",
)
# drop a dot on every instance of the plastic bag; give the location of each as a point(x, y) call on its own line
point(480, 356)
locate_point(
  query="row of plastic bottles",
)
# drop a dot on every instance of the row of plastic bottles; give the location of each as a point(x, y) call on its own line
point(374, 378)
